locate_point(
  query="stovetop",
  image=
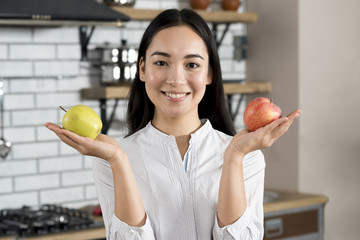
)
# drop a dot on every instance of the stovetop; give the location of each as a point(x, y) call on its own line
point(48, 219)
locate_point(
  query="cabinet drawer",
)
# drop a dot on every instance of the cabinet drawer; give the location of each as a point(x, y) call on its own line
point(297, 224)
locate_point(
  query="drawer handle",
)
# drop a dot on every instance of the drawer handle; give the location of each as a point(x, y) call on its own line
point(273, 228)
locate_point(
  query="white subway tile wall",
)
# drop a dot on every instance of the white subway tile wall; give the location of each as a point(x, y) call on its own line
point(40, 169)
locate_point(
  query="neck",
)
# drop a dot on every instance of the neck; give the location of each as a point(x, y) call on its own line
point(177, 127)
point(180, 129)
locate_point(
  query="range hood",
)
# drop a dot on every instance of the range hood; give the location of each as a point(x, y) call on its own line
point(60, 10)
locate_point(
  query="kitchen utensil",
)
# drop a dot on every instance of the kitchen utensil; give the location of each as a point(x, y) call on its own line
point(120, 2)
point(117, 63)
point(109, 54)
point(5, 146)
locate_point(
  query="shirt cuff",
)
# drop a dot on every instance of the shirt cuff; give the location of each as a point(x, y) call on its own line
point(232, 231)
point(121, 230)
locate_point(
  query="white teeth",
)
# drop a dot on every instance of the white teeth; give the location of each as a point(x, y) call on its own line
point(176, 95)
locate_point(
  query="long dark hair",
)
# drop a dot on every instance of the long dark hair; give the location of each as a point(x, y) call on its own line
point(213, 105)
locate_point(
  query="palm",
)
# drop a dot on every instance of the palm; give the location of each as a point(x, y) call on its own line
point(102, 146)
point(245, 141)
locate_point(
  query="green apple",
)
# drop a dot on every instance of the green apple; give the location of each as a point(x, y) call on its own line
point(82, 120)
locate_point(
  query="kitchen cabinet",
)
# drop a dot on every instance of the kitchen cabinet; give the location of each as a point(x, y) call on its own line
point(293, 215)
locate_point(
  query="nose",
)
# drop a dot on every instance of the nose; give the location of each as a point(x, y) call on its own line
point(176, 77)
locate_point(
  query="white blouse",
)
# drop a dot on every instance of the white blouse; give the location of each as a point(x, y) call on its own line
point(180, 195)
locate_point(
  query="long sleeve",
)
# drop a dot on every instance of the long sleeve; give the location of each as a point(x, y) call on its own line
point(115, 228)
point(250, 225)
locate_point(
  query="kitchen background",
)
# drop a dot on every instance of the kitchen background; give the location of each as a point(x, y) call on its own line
point(308, 49)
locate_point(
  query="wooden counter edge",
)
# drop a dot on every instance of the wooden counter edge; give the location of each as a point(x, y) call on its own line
point(82, 234)
point(295, 200)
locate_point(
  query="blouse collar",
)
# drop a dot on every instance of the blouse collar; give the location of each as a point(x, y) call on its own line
point(157, 134)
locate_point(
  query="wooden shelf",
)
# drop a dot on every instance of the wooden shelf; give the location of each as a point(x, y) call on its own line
point(122, 92)
point(209, 16)
point(57, 23)
point(137, 14)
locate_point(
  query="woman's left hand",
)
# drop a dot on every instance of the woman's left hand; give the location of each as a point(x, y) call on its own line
point(245, 141)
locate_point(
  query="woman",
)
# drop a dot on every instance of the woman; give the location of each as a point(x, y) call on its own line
point(182, 172)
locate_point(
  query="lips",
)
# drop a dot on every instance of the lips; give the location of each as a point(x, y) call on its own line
point(175, 96)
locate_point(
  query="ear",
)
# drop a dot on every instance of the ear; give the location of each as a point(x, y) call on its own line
point(141, 69)
point(209, 78)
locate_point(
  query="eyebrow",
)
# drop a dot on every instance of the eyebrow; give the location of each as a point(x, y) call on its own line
point(168, 55)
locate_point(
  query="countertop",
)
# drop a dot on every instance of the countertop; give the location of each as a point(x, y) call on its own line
point(284, 200)
point(290, 200)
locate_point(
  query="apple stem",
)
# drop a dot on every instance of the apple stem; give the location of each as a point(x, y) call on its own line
point(271, 100)
point(63, 109)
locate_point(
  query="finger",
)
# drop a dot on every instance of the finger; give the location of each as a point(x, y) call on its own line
point(295, 114)
point(271, 126)
point(68, 137)
point(51, 126)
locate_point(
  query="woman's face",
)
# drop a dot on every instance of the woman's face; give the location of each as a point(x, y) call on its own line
point(176, 72)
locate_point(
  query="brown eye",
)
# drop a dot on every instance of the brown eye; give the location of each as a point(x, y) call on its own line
point(160, 63)
point(192, 65)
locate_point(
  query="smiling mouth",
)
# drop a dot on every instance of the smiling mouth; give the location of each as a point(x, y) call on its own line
point(175, 95)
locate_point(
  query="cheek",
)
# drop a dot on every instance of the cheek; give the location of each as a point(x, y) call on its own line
point(153, 81)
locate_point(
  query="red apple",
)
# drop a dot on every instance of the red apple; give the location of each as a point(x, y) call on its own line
point(260, 112)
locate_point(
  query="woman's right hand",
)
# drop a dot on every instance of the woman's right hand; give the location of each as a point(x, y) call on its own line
point(102, 146)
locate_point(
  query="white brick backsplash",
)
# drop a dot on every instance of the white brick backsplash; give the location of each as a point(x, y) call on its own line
point(60, 164)
point(54, 100)
point(72, 51)
point(44, 134)
point(74, 84)
point(50, 68)
point(88, 162)
point(77, 178)
point(80, 204)
point(62, 195)
point(173, 4)
point(3, 51)
point(14, 35)
point(148, 4)
point(16, 69)
point(103, 35)
point(15, 168)
point(19, 199)
point(131, 25)
point(22, 51)
point(34, 117)
point(226, 65)
point(20, 134)
point(19, 101)
point(6, 185)
point(226, 51)
point(56, 35)
point(239, 66)
point(90, 192)
point(67, 150)
point(132, 36)
point(237, 29)
point(37, 182)
point(6, 116)
point(40, 168)
point(32, 85)
point(35, 150)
